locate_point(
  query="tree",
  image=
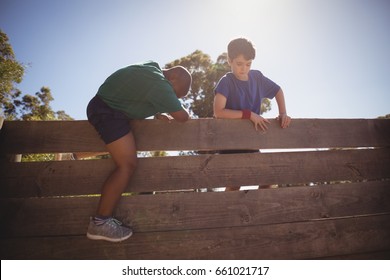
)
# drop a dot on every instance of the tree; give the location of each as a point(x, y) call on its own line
point(199, 64)
point(384, 117)
point(205, 76)
point(38, 107)
point(15, 105)
point(26, 107)
point(11, 72)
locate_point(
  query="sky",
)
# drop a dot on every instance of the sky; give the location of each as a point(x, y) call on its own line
point(331, 57)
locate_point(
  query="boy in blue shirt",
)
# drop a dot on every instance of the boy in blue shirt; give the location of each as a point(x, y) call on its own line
point(239, 93)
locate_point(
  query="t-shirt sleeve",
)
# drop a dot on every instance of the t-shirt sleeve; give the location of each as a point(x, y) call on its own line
point(165, 100)
point(270, 88)
point(222, 87)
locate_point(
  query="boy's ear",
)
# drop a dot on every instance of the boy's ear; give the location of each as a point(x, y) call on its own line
point(230, 61)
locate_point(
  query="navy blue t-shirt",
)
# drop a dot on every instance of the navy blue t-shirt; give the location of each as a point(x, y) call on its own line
point(243, 95)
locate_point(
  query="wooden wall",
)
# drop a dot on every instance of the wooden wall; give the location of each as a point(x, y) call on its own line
point(332, 199)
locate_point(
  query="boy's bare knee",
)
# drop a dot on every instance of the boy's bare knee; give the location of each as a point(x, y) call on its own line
point(129, 165)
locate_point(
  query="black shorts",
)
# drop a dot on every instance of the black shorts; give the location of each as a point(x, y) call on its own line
point(109, 123)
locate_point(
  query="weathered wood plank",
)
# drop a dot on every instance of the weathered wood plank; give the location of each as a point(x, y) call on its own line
point(169, 173)
point(303, 240)
point(287, 223)
point(188, 211)
point(201, 134)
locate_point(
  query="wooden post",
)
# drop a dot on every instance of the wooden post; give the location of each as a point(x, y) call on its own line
point(11, 158)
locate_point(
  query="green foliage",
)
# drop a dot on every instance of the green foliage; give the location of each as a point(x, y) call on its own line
point(265, 105)
point(37, 107)
point(384, 117)
point(37, 157)
point(16, 106)
point(202, 69)
point(153, 154)
point(11, 72)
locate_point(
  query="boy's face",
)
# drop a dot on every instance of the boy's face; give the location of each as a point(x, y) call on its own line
point(240, 67)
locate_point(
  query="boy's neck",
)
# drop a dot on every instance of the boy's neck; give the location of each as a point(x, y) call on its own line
point(242, 78)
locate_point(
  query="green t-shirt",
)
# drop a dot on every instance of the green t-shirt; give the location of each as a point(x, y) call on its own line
point(139, 91)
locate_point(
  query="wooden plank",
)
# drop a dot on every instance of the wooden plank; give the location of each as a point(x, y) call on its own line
point(188, 211)
point(201, 134)
point(189, 172)
point(303, 240)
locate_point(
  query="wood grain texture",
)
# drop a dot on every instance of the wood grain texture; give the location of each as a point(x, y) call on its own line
point(40, 179)
point(45, 206)
point(301, 240)
point(189, 211)
point(202, 134)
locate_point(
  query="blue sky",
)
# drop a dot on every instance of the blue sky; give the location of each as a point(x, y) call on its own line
point(331, 57)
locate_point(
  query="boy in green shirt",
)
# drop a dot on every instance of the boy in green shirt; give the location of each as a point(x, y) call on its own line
point(134, 92)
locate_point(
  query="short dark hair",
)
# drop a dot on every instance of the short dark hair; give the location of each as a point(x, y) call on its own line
point(242, 46)
point(181, 77)
point(185, 79)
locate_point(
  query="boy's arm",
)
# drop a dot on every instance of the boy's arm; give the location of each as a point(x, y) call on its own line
point(219, 109)
point(180, 116)
point(283, 118)
point(220, 112)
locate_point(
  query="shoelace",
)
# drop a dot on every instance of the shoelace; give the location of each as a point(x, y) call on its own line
point(99, 221)
point(119, 223)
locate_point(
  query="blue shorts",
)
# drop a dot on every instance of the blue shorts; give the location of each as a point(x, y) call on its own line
point(109, 123)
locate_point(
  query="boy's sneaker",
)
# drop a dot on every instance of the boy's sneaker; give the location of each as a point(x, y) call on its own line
point(109, 229)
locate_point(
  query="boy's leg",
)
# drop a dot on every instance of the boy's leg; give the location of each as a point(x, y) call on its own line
point(123, 152)
point(104, 226)
point(114, 129)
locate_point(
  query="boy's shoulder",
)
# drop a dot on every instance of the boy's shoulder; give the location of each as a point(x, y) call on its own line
point(145, 65)
point(150, 63)
point(255, 73)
